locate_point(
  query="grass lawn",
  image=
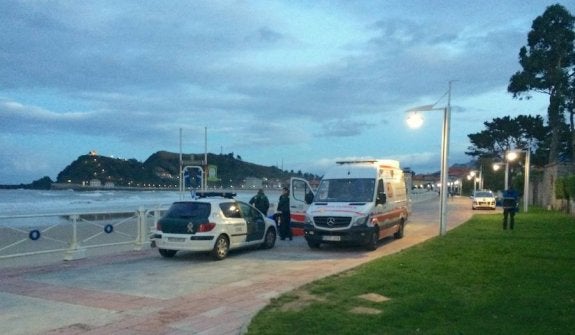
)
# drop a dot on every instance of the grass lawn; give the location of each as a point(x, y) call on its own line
point(478, 279)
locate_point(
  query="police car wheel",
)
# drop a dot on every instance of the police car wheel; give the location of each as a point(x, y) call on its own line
point(221, 248)
point(167, 253)
point(269, 239)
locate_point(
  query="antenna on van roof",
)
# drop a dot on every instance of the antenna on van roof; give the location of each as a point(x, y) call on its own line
point(356, 162)
point(382, 162)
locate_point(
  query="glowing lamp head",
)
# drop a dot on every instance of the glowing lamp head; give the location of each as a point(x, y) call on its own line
point(414, 119)
point(512, 155)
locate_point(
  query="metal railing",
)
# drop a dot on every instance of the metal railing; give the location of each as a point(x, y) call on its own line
point(419, 195)
point(74, 233)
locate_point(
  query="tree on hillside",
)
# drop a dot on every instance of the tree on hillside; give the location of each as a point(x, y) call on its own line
point(503, 134)
point(548, 62)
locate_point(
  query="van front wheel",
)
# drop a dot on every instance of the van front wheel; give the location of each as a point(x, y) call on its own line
point(313, 245)
point(373, 240)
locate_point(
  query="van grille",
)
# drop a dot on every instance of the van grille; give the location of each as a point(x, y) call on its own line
point(332, 221)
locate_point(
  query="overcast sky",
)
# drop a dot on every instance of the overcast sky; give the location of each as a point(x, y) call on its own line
point(296, 84)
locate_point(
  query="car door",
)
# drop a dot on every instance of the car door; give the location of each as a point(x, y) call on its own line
point(301, 196)
point(235, 225)
point(254, 222)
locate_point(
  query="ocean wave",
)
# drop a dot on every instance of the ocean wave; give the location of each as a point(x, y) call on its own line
point(16, 202)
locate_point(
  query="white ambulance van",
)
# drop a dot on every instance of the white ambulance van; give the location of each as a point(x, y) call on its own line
point(358, 202)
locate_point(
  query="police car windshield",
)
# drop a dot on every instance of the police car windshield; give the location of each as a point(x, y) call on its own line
point(346, 190)
point(483, 194)
point(189, 210)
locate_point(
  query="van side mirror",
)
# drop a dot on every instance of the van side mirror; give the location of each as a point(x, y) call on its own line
point(381, 198)
point(309, 198)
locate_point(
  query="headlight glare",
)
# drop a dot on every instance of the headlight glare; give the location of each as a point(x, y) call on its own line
point(360, 221)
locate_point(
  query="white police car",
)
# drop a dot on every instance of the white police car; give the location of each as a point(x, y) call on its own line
point(483, 199)
point(215, 223)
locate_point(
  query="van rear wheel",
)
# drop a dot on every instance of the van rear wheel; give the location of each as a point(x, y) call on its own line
point(399, 233)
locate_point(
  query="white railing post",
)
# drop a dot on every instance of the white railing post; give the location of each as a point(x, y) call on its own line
point(142, 230)
point(75, 251)
point(157, 217)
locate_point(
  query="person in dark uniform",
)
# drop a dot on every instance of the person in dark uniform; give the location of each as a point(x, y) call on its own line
point(510, 203)
point(261, 202)
point(284, 215)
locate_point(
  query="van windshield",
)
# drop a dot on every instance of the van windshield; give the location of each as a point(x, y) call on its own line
point(345, 190)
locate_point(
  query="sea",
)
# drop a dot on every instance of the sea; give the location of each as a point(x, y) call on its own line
point(33, 202)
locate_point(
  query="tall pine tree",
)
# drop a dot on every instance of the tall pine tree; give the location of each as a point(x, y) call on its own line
point(548, 62)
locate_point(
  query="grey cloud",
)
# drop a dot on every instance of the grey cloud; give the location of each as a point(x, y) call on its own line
point(344, 128)
point(139, 70)
point(265, 35)
point(53, 45)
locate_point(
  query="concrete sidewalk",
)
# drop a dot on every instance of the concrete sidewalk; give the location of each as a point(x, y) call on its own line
point(142, 293)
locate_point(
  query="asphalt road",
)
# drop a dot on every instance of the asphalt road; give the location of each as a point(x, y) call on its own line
point(143, 293)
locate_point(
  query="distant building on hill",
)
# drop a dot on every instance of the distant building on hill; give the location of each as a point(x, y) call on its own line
point(95, 183)
point(252, 182)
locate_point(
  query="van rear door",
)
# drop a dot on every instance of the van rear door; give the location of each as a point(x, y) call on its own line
point(300, 191)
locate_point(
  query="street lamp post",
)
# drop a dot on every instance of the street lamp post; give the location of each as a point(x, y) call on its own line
point(497, 166)
point(415, 120)
point(506, 186)
point(481, 186)
point(477, 179)
point(512, 155)
point(526, 180)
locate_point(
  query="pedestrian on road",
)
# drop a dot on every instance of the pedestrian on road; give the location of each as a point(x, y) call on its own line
point(261, 202)
point(510, 205)
point(284, 215)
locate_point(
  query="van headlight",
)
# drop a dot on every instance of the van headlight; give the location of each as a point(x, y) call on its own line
point(360, 221)
point(308, 220)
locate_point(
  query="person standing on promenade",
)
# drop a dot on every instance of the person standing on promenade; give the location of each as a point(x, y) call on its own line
point(284, 214)
point(510, 203)
point(261, 202)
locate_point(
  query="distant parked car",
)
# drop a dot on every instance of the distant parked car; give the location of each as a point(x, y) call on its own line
point(483, 200)
point(213, 223)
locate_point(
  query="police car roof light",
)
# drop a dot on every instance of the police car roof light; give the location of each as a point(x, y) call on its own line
point(228, 195)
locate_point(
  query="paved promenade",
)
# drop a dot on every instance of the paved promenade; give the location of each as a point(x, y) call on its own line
point(143, 293)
